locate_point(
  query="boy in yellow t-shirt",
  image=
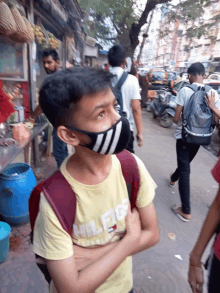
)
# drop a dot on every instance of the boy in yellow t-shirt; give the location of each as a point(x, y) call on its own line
point(97, 258)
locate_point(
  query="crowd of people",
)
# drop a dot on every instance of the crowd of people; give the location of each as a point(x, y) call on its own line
point(83, 105)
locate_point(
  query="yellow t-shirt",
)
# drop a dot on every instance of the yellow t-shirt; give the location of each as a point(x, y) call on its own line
point(100, 216)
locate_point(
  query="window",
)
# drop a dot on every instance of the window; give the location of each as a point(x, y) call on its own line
point(12, 61)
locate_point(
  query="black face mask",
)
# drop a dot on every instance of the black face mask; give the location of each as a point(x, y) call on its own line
point(111, 141)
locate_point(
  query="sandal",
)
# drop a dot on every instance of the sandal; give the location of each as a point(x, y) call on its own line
point(175, 209)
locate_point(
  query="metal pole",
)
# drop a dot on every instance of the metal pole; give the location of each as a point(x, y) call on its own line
point(32, 85)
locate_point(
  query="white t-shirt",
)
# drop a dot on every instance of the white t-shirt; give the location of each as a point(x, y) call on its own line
point(130, 91)
point(182, 98)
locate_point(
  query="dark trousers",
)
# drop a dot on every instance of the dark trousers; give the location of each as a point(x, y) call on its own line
point(60, 150)
point(214, 281)
point(130, 146)
point(185, 154)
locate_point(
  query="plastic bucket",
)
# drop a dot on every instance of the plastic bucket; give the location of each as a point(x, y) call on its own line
point(5, 230)
point(16, 184)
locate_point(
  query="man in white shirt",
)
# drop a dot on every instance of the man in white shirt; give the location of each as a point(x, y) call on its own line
point(130, 94)
point(186, 151)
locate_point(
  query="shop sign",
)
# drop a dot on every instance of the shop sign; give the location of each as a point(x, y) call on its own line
point(90, 41)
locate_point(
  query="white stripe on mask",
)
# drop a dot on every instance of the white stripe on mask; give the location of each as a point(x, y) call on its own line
point(107, 142)
point(116, 138)
point(98, 142)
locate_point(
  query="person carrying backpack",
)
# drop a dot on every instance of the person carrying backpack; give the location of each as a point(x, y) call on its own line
point(126, 90)
point(195, 120)
point(85, 229)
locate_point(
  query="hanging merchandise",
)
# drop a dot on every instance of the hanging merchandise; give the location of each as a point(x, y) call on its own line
point(53, 42)
point(7, 23)
point(39, 35)
point(45, 39)
point(29, 36)
point(21, 34)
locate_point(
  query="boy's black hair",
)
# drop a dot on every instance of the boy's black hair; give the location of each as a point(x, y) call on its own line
point(116, 55)
point(50, 52)
point(196, 69)
point(63, 89)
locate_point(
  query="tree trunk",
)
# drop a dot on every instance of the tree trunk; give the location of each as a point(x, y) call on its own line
point(136, 27)
point(145, 37)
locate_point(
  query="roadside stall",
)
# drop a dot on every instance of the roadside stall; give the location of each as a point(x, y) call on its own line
point(15, 34)
point(27, 27)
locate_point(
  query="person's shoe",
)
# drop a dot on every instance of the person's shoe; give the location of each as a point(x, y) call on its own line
point(171, 183)
point(178, 211)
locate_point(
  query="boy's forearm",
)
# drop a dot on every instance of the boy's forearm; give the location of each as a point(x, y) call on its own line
point(95, 274)
point(208, 229)
point(216, 111)
point(147, 240)
point(86, 256)
point(137, 114)
point(36, 112)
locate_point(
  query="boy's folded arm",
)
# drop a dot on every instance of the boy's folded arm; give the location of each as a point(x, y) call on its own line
point(86, 256)
point(149, 228)
point(67, 279)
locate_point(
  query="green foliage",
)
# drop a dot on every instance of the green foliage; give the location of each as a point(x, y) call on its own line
point(109, 19)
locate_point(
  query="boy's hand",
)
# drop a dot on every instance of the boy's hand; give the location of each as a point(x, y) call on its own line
point(210, 99)
point(133, 228)
point(196, 279)
point(140, 139)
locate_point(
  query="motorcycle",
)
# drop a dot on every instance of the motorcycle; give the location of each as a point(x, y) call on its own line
point(164, 106)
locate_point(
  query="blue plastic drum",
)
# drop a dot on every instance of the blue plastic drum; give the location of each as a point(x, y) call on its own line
point(16, 183)
point(5, 230)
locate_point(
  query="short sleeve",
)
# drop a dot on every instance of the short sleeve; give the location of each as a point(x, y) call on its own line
point(147, 187)
point(134, 90)
point(216, 171)
point(50, 240)
point(180, 99)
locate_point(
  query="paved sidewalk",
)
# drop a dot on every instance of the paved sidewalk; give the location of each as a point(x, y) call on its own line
point(156, 270)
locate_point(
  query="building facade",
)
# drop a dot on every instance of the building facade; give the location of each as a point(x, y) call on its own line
point(174, 51)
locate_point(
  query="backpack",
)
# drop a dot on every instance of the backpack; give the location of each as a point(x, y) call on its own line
point(65, 207)
point(198, 119)
point(118, 93)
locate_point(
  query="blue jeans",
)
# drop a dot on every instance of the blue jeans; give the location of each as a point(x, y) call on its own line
point(60, 150)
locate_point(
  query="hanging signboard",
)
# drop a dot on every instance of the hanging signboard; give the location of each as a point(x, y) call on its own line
point(90, 41)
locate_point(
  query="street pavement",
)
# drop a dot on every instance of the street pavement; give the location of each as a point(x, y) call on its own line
point(156, 270)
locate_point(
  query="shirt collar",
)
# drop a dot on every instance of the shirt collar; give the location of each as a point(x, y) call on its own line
point(116, 70)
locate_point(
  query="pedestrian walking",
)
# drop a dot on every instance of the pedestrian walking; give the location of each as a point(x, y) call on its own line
point(210, 228)
point(96, 257)
point(130, 93)
point(187, 151)
point(51, 63)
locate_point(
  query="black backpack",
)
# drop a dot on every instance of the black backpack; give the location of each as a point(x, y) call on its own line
point(118, 94)
point(198, 119)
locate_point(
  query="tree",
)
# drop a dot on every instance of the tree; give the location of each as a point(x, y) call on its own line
point(118, 20)
point(122, 20)
point(145, 36)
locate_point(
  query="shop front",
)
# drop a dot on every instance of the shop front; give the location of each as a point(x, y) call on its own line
point(22, 73)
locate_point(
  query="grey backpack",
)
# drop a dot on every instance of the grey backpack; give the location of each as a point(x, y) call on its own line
point(198, 119)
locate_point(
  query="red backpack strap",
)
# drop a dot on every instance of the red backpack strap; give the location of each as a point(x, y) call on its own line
point(62, 199)
point(34, 202)
point(131, 175)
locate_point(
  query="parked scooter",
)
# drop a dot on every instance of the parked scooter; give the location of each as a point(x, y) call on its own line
point(164, 106)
